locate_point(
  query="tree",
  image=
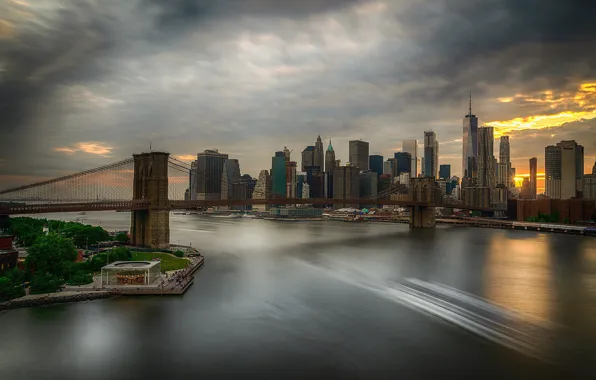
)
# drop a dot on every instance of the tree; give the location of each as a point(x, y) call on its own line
point(122, 237)
point(120, 254)
point(80, 278)
point(10, 289)
point(45, 283)
point(179, 253)
point(51, 254)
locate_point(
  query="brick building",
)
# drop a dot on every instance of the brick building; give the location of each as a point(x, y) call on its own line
point(572, 210)
point(8, 255)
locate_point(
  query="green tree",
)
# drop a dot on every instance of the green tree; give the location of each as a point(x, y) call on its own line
point(179, 253)
point(122, 237)
point(120, 254)
point(80, 278)
point(45, 283)
point(10, 289)
point(51, 254)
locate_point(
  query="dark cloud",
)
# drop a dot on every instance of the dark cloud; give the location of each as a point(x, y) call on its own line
point(476, 44)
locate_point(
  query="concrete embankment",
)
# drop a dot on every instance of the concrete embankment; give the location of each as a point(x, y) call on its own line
point(53, 298)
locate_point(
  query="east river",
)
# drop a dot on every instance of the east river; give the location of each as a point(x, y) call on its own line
point(293, 300)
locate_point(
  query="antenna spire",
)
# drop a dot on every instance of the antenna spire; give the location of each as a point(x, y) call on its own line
point(149, 146)
point(470, 104)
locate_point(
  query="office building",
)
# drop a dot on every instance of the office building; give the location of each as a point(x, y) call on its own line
point(533, 177)
point(504, 167)
point(403, 162)
point(445, 171)
point(422, 166)
point(485, 158)
point(291, 179)
point(209, 166)
point(358, 154)
point(375, 163)
point(193, 186)
point(404, 178)
point(469, 144)
point(594, 168)
point(231, 173)
point(564, 167)
point(329, 159)
point(430, 154)
point(389, 168)
point(319, 154)
point(411, 146)
point(589, 189)
point(262, 190)
point(278, 175)
point(368, 184)
point(243, 188)
point(346, 184)
point(308, 157)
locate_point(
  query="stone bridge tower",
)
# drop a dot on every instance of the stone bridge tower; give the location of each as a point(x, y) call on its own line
point(151, 228)
point(424, 190)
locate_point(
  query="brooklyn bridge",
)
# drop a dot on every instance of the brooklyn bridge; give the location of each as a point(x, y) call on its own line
point(150, 185)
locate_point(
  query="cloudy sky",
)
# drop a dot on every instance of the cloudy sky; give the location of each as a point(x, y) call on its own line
point(85, 83)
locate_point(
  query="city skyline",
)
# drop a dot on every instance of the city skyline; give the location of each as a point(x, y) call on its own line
point(186, 83)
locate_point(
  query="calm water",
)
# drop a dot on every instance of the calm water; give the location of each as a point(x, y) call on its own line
point(290, 300)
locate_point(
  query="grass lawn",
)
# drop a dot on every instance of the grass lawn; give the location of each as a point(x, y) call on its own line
point(168, 262)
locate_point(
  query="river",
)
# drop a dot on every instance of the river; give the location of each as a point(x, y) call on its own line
point(294, 300)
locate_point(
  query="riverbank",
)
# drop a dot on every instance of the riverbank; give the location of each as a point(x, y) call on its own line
point(34, 300)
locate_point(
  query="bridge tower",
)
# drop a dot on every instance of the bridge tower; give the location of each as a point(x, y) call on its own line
point(423, 190)
point(151, 228)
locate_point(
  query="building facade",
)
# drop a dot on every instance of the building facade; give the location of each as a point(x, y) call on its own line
point(358, 153)
point(209, 170)
point(411, 146)
point(504, 172)
point(533, 177)
point(308, 157)
point(485, 158)
point(431, 153)
point(403, 162)
point(346, 184)
point(564, 167)
point(262, 190)
point(375, 163)
point(319, 154)
point(231, 173)
point(278, 175)
point(329, 159)
point(445, 171)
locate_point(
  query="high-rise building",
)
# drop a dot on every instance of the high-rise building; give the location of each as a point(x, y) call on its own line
point(359, 154)
point(291, 179)
point(504, 171)
point(375, 163)
point(278, 175)
point(262, 190)
point(564, 167)
point(209, 167)
point(533, 177)
point(319, 154)
point(403, 161)
point(368, 186)
point(430, 154)
point(470, 144)
point(193, 186)
point(231, 173)
point(423, 167)
point(346, 184)
point(445, 171)
point(243, 188)
point(485, 161)
point(411, 146)
point(389, 168)
point(594, 168)
point(308, 157)
point(329, 159)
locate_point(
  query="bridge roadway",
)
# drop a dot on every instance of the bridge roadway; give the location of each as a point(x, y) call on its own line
point(40, 208)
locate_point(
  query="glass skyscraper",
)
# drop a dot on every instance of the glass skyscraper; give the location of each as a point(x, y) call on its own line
point(376, 164)
point(278, 175)
point(403, 160)
point(470, 144)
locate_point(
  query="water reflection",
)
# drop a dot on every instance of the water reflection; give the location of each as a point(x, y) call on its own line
point(518, 274)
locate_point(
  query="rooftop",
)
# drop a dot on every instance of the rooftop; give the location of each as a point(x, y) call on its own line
point(132, 264)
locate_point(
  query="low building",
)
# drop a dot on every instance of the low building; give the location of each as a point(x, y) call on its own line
point(8, 254)
point(131, 273)
point(296, 213)
point(565, 210)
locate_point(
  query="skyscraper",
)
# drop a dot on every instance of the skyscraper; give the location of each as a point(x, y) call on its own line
point(430, 154)
point(319, 154)
point(445, 171)
point(209, 166)
point(411, 146)
point(278, 175)
point(346, 184)
point(564, 169)
point(194, 181)
point(504, 176)
point(486, 171)
point(308, 157)
point(470, 144)
point(533, 173)
point(231, 173)
point(375, 163)
point(330, 159)
point(359, 154)
point(262, 190)
point(403, 160)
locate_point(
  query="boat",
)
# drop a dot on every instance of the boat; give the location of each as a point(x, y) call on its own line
point(251, 216)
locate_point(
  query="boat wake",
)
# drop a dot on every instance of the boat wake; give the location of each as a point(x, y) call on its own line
point(467, 311)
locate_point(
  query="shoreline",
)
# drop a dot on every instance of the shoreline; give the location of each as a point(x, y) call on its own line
point(46, 299)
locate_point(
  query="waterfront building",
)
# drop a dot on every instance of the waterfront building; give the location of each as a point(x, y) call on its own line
point(346, 184)
point(209, 170)
point(469, 144)
point(431, 147)
point(231, 173)
point(358, 153)
point(262, 190)
point(411, 146)
point(445, 171)
point(564, 168)
point(330, 159)
point(319, 153)
point(375, 163)
point(403, 161)
point(308, 157)
point(533, 177)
